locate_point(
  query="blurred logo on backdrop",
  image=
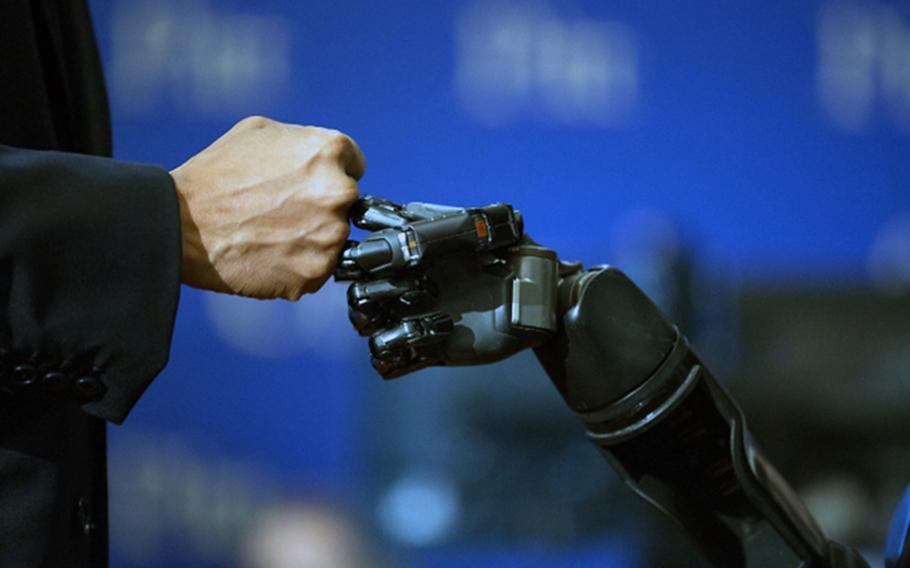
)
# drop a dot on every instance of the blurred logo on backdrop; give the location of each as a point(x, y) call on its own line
point(522, 59)
point(889, 256)
point(316, 325)
point(163, 490)
point(200, 59)
point(225, 512)
point(863, 64)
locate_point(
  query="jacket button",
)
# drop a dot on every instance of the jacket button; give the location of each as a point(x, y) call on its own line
point(89, 387)
point(54, 380)
point(84, 516)
point(24, 375)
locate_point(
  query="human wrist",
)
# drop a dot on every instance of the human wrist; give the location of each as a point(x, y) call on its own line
point(195, 266)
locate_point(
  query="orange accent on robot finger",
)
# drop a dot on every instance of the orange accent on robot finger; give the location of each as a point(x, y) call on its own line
point(483, 231)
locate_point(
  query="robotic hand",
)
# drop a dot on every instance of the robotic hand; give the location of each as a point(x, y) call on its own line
point(437, 285)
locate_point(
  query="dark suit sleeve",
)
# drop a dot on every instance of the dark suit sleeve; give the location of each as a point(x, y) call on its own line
point(89, 278)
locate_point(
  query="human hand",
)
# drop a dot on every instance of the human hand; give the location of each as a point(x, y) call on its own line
point(263, 209)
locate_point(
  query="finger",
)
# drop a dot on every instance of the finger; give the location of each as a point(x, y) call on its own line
point(339, 152)
point(375, 304)
point(412, 344)
point(347, 268)
point(374, 214)
point(369, 303)
point(393, 368)
point(355, 163)
point(378, 253)
point(365, 323)
point(420, 210)
point(344, 194)
point(365, 296)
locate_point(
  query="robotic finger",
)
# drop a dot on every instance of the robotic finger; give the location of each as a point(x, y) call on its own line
point(374, 304)
point(415, 343)
point(373, 213)
point(368, 295)
point(407, 237)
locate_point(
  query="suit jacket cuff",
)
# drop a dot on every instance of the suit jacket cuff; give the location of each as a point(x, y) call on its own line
point(90, 253)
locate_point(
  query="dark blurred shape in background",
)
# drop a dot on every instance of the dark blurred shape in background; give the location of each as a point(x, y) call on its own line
point(747, 164)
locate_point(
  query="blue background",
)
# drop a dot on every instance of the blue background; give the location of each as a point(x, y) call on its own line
point(725, 134)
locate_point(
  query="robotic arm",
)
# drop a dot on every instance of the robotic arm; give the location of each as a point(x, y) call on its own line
point(437, 285)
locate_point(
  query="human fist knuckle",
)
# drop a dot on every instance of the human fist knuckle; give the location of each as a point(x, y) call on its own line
point(293, 293)
point(330, 262)
point(336, 146)
point(345, 195)
point(256, 121)
point(338, 233)
point(318, 261)
point(325, 263)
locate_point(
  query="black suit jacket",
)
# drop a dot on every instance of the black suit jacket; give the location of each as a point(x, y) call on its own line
point(89, 280)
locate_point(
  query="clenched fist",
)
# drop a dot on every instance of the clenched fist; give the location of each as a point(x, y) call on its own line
point(263, 210)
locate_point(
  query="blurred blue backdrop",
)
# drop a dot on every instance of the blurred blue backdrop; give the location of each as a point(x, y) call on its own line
point(774, 137)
